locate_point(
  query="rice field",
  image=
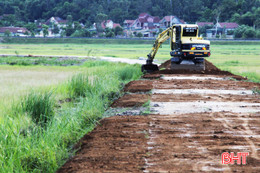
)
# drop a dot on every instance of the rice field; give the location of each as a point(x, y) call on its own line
point(241, 58)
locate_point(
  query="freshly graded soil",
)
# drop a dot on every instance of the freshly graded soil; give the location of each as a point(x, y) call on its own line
point(131, 100)
point(176, 141)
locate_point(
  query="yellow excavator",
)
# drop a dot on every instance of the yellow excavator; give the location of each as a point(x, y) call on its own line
point(187, 48)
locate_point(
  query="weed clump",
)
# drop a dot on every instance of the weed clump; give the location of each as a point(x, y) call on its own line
point(81, 84)
point(40, 106)
point(128, 73)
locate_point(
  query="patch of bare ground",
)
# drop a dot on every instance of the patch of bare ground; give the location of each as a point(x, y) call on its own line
point(139, 86)
point(131, 100)
point(117, 144)
point(176, 142)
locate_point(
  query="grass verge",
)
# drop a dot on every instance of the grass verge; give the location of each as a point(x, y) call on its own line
point(27, 146)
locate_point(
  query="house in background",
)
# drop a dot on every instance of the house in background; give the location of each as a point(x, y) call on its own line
point(56, 21)
point(145, 24)
point(128, 23)
point(109, 24)
point(145, 21)
point(15, 31)
point(222, 28)
point(168, 21)
point(105, 24)
point(228, 26)
point(203, 24)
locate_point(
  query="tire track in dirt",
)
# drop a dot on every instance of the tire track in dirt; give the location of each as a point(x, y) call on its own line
point(244, 130)
point(190, 140)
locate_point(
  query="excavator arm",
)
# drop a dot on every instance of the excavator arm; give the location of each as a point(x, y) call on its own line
point(162, 37)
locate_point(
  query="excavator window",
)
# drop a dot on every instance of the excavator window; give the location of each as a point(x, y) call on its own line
point(190, 31)
point(178, 33)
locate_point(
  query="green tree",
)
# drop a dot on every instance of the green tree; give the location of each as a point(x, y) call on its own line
point(257, 17)
point(87, 33)
point(45, 30)
point(69, 30)
point(119, 30)
point(258, 34)
point(77, 26)
point(249, 33)
point(110, 34)
point(55, 29)
point(26, 33)
point(32, 27)
point(139, 34)
point(100, 18)
point(7, 33)
point(78, 33)
point(69, 19)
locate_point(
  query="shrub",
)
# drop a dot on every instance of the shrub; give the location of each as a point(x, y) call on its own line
point(81, 85)
point(77, 85)
point(110, 34)
point(249, 33)
point(139, 34)
point(238, 33)
point(244, 31)
point(230, 32)
point(128, 73)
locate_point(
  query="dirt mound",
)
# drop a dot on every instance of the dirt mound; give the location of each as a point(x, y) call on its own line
point(210, 69)
point(138, 86)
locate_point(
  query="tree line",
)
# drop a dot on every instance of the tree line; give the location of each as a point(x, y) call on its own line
point(244, 12)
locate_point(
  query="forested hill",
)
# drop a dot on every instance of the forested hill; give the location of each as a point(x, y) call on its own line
point(85, 11)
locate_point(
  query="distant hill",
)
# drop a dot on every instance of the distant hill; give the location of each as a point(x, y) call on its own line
point(85, 11)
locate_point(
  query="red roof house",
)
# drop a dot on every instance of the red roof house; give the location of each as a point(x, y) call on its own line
point(201, 24)
point(146, 21)
point(109, 24)
point(167, 21)
point(56, 20)
point(14, 30)
point(228, 25)
point(128, 23)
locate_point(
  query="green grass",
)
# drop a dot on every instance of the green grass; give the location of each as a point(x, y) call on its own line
point(74, 40)
point(241, 58)
point(39, 105)
point(28, 61)
point(28, 146)
point(238, 59)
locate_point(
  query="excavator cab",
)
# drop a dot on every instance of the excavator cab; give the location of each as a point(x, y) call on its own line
point(187, 48)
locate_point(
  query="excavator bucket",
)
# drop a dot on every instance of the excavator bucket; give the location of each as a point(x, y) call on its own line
point(149, 68)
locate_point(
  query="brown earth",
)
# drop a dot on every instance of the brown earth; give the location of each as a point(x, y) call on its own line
point(131, 100)
point(185, 142)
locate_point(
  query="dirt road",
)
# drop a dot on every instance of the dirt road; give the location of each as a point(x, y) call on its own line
point(192, 120)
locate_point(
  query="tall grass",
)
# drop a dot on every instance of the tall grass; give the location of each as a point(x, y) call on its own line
point(39, 105)
point(27, 147)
